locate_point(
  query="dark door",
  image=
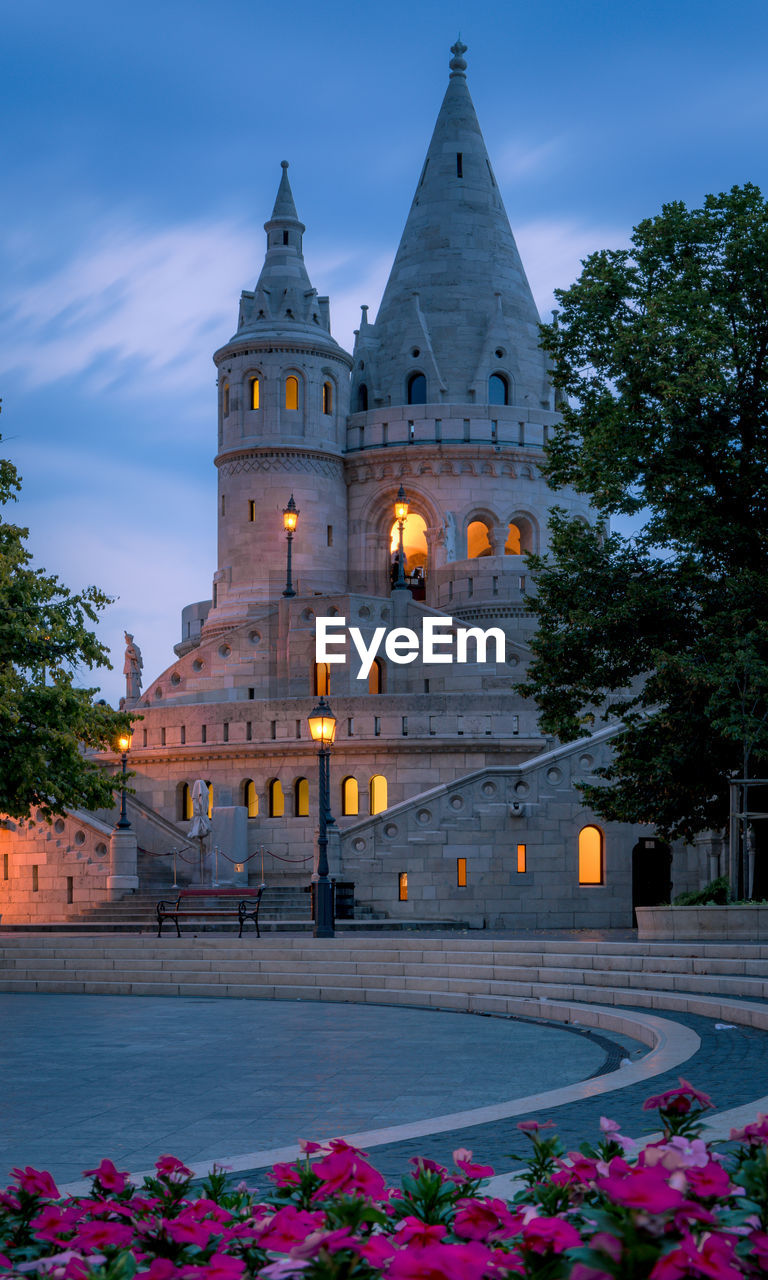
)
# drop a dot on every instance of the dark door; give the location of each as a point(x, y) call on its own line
point(651, 873)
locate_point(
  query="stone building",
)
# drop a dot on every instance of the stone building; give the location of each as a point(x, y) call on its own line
point(449, 802)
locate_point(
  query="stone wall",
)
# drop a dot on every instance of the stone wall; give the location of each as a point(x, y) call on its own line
point(52, 871)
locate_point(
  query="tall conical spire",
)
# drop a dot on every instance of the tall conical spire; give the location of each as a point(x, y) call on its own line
point(458, 253)
point(284, 202)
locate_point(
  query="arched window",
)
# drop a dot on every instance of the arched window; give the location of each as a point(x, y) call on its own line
point(417, 389)
point(209, 785)
point(350, 799)
point(376, 677)
point(185, 802)
point(291, 393)
point(591, 868)
point(251, 798)
point(521, 537)
point(321, 680)
point(414, 546)
point(378, 792)
point(478, 539)
point(362, 398)
point(498, 389)
point(327, 397)
point(512, 544)
point(276, 799)
point(225, 400)
point(254, 393)
point(301, 798)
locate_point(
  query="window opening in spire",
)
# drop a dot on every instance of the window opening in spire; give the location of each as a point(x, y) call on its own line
point(225, 400)
point(327, 397)
point(254, 393)
point(417, 389)
point(498, 389)
point(292, 393)
point(362, 398)
point(285, 237)
point(459, 165)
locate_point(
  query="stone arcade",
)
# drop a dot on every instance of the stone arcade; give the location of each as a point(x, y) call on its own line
point(449, 802)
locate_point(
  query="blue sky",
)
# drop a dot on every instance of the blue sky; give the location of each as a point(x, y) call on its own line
point(139, 157)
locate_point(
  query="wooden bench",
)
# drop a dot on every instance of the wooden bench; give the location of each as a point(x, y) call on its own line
point(239, 905)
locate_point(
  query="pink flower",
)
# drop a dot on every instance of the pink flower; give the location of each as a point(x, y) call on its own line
point(645, 1189)
point(98, 1236)
point(287, 1227)
point(309, 1148)
point(326, 1242)
point(533, 1126)
point(440, 1262)
point(429, 1166)
point(541, 1235)
point(345, 1171)
point(752, 1134)
point(678, 1101)
point(611, 1129)
point(220, 1266)
point(284, 1175)
point(580, 1168)
point(710, 1181)
point(463, 1161)
point(52, 1221)
point(413, 1231)
point(285, 1269)
point(172, 1170)
point(377, 1250)
point(185, 1230)
point(160, 1269)
point(484, 1220)
point(712, 1260)
point(36, 1182)
point(110, 1178)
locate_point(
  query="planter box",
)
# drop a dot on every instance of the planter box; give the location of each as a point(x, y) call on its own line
point(748, 923)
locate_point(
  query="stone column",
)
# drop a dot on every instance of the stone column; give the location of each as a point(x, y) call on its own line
point(123, 852)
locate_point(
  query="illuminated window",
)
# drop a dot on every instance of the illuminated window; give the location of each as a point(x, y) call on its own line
point(327, 397)
point(521, 537)
point(291, 393)
point(350, 800)
point(478, 539)
point(461, 873)
point(591, 856)
point(362, 398)
point(512, 545)
point(301, 798)
point(376, 677)
point(254, 393)
point(414, 545)
point(417, 389)
point(225, 399)
point(321, 680)
point(251, 510)
point(185, 802)
point(498, 389)
point(402, 886)
point(378, 792)
point(521, 858)
point(276, 799)
point(250, 798)
point(210, 799)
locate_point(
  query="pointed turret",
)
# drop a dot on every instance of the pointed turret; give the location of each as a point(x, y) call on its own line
point(458, 252)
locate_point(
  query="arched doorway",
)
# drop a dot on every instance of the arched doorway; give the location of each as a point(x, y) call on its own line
point(415, 551)
point(651, 874)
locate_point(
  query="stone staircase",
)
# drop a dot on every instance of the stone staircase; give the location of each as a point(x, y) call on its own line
point(482, 975)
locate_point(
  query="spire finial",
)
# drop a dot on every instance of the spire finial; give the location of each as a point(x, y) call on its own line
point(283, 164)
point(458, 63)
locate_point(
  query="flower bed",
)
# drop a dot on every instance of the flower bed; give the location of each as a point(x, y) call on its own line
point(671, 1209)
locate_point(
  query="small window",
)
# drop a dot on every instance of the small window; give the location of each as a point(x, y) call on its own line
point(162, 738)
point(376, 726)
point(203, 732)
point(362, 398)
point(251, 693)
point(350, 797)
point(329, 535)
point(498, 389)
point(376, 677)
point(5, 866)
point(249, 731)
point(226, 730)
point(402, 886)
point(378, 790)
point(461, 873)
point(591, 870)
point(276, 799)
point(254, 393)
point(70, 890)
point(223, 504)
point(459, 165)
point(209, 785)
point(35, 878)
point(225, 400)
point(301, 798)
point(251, 798)
point(417, 389)
point(251, 510)
point(327, 397)
point(521, 859)
point(291, 393)
point(321, 680)
point(286, 239)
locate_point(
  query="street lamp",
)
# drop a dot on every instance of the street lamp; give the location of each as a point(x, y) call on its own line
point(322, 730)
point(401, 513)
point(290, 520)
point(123, 745)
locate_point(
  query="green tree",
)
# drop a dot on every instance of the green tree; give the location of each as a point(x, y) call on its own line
point(46, 722)
point(661, 355)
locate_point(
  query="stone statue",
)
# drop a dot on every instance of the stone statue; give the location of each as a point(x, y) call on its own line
point(448, 535)
point(132, 669)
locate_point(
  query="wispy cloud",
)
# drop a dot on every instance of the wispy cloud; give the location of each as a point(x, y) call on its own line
point(521, 159)
point(553, 251)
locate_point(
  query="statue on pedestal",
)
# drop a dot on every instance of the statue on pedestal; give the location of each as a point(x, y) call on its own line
point(132, 669)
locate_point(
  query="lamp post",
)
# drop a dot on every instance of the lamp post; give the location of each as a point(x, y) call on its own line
point(123, 746)
point(290, 520)
point(401, 513)
point(322, 729)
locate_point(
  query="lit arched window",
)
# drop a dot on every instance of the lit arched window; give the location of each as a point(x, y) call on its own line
point(276, 799)
point(209, 785)
point(251, 798)
point(591, 868)
point(512, 544)
point(301, 798)
point(478, 539)
point(291, 393)
point(350, 800)
point(521, 537)
point(327, 397)
point(185, 802)
point(376, 677)
point(498, 389)
point(321, 680)
point(254, 393)
point(362, 398)
point(225, 399)
point(378, 790)
point(417, 389)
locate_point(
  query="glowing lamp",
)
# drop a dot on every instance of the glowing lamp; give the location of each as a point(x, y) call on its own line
point(401, 506)
point(124, 742)
point(322, 724)
point(290, 516)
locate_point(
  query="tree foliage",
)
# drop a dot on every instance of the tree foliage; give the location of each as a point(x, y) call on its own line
point(46, 721)
point(661, 351)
